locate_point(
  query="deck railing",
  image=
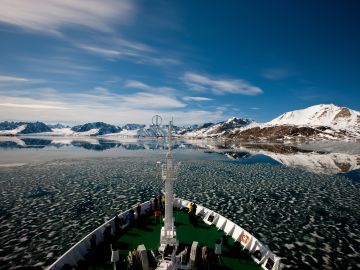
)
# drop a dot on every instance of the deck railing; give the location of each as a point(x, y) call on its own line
point(268, 261)
point(82, 248)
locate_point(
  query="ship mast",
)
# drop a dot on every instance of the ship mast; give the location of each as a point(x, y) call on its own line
point(168, 232)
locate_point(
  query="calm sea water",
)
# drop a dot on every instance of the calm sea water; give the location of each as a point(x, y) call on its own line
point(303, 205)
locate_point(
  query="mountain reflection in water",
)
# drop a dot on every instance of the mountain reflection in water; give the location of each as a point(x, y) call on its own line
point(317, 161)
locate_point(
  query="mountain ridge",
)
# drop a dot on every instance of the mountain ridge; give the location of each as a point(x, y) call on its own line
point(320, 115)
point(100, 127)
point(318, 122)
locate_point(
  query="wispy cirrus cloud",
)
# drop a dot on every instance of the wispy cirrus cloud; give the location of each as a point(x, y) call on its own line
point(31, 105)
point(5, 79)
point(115, 47)
point(143, 86)
point(199, 82)
point(101, 51)
point(99, 97)
point(149, 100)
point(276, 73)
point(135, 52)
point(66, 66)
point(58, 16)
point(50, 16)
point(188, 98)
point(13, 79)
point(99, 104)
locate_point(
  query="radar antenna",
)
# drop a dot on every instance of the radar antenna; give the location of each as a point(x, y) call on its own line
point(157, 120)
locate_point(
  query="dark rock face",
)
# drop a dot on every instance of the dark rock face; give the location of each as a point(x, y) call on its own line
point(238, 122)
point(220, 127)
point(10, 125)
point(342, 114)
point(36, 127)
point(238, 155)
point(228, 126)
point(103, 128)
point(193, 128)
point(272, 133)
point(344, 167)
point(133, 126)
point(279, 148)
point(206, 125)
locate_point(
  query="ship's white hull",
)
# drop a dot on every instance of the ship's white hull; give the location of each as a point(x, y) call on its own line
point(210, 217)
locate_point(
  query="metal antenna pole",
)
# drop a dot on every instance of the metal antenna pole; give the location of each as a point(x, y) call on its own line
point(169, 176)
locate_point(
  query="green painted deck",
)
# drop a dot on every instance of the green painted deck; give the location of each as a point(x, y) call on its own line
point(147, 232)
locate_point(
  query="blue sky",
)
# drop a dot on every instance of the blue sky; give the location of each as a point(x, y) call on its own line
point(198, 61)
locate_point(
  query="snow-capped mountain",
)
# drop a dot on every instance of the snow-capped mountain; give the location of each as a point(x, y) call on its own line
point(88, 129)
point(144, 131)
point(36, 127)
point(319, 122)
point(328, 115)
point(10, 125)
point(96, 128)
point(13, 128)
point(218, 129)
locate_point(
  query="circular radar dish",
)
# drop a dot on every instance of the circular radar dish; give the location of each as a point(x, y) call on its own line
point(157, 120)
